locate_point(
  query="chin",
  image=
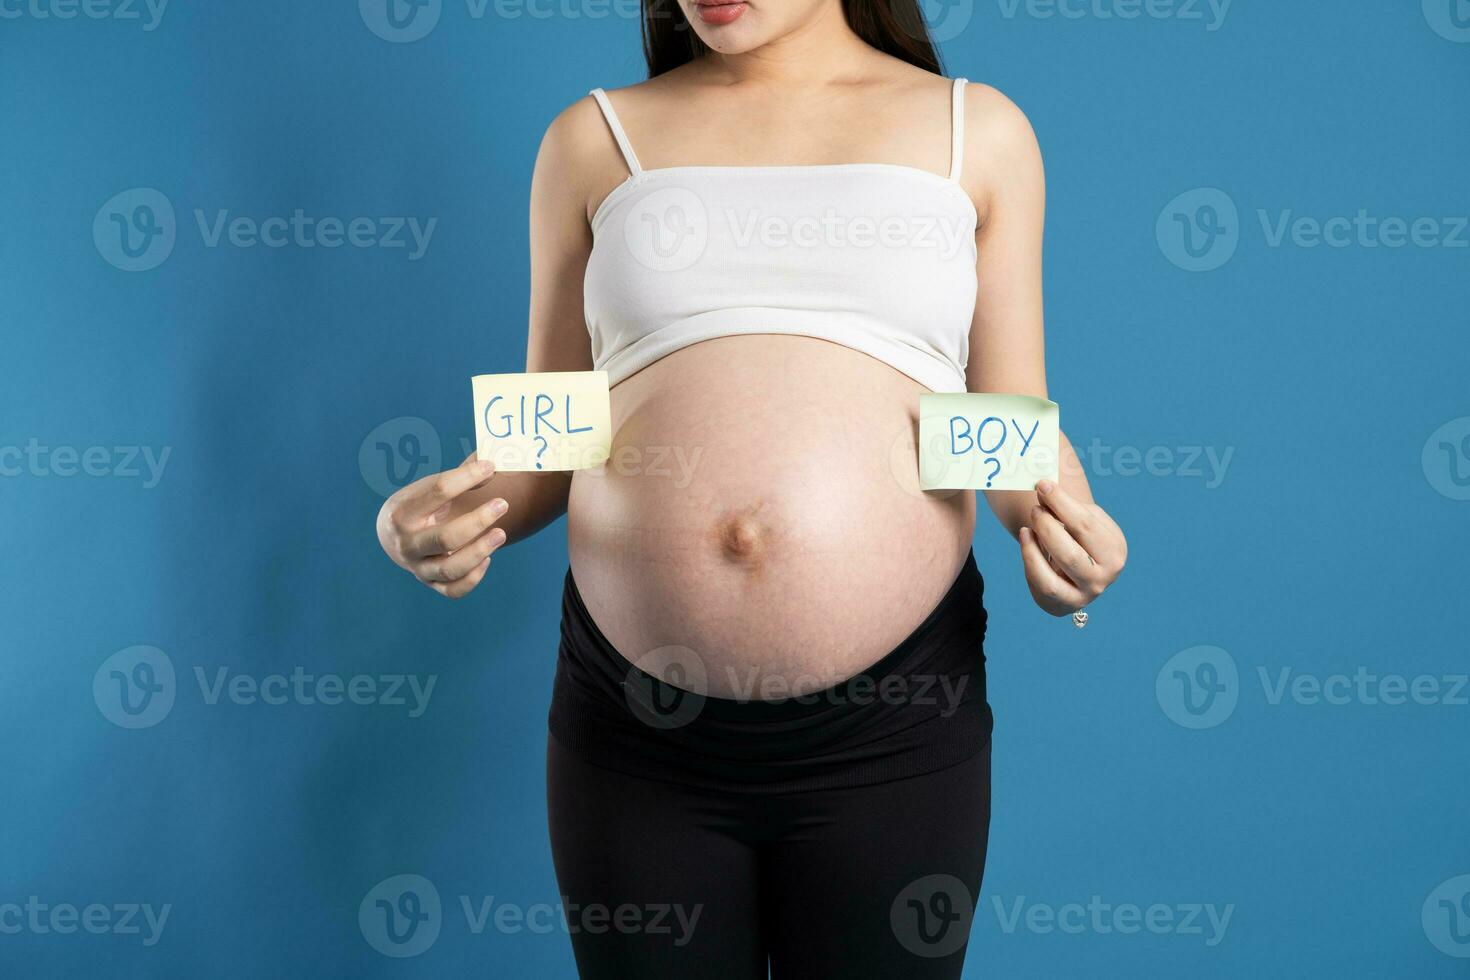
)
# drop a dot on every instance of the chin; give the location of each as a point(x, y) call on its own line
point(731, 40)
point(737, 37)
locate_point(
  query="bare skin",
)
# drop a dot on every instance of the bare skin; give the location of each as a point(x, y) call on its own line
point(785, 562)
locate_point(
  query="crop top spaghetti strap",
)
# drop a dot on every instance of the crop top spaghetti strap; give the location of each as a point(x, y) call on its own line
point(876, 257)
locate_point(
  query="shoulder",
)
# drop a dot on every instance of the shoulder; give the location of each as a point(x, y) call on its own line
point(580, 135)
point(1001, 149)
point(998, 136)
point(994, 125)
point(579, 157)
point(577, 132)
point(629, 102)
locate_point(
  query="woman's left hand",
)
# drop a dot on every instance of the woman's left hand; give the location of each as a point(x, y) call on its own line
point(1072, 550)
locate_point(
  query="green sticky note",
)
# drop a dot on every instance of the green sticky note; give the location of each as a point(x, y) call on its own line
point(557, 420)
point(983, 441)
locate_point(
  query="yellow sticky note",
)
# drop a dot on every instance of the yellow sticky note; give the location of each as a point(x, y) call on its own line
point(987, 442)
point(557, 420)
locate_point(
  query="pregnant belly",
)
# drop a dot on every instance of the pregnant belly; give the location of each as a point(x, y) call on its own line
point(761, 513)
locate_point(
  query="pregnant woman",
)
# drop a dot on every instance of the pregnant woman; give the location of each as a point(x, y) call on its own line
point(770, 742)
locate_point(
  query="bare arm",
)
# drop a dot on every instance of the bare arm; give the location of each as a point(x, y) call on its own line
point(1070, 547)
point(444, 527)
point(561, 240)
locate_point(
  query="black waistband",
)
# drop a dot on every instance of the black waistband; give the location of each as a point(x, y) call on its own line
point(919, 708)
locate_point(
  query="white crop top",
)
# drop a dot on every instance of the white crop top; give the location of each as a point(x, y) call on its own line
point(873, 256)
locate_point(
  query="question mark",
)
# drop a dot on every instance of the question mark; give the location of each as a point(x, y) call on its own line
point(542, 440)
point(993, 472)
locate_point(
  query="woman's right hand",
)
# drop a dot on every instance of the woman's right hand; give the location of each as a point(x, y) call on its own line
point(435, 528)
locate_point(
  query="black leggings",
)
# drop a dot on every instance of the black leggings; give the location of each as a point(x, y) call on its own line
point(837, 836)
point(876, 881)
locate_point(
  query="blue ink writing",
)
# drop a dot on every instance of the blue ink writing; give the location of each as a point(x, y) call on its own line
point(964, 439)
point(504, 425)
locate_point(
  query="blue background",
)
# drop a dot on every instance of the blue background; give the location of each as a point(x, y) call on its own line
point(1328, 545)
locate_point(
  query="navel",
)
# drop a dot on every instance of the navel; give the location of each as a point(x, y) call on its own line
point(742, 538)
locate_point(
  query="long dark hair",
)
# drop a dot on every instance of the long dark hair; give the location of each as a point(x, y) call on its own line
point(895, 27)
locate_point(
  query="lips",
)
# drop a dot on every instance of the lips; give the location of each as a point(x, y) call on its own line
point(720, 12)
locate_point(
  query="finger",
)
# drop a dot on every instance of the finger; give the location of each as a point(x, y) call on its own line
point(450, 568)
point(1067, 508)
point(444, 539)
point(1069, 557)
point(442, 488)
point(1114, 550)
point(462, 587)
point(1052, 592)
point(1079, 517)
